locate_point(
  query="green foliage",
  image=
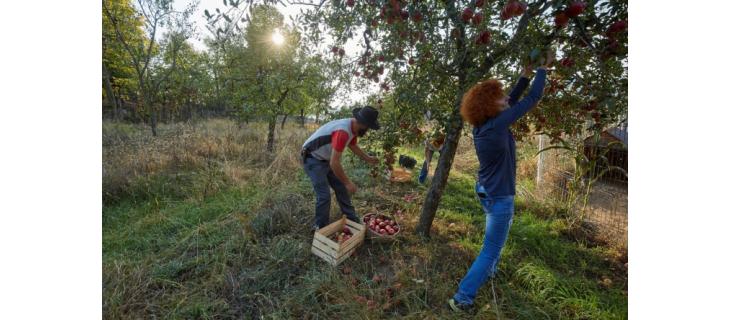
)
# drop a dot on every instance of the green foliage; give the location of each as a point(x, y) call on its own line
point(431, 55)
point(115, 57)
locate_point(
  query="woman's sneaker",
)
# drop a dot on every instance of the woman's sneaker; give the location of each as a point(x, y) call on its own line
point(460, 307)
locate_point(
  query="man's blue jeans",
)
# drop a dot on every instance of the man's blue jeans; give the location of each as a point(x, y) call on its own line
point(499, 211)
point(323, 178)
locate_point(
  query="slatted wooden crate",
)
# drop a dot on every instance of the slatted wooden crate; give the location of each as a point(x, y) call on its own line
point(400, 175)
point(331, 251)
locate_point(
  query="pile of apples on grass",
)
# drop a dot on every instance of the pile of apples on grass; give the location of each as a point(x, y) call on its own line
point(380, 224)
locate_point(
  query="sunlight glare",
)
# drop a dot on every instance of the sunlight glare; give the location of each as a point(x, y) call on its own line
point(277, 38)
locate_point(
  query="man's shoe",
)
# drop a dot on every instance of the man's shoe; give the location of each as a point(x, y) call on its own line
point(460, 307)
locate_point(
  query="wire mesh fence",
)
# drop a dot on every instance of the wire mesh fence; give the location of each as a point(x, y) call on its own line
point(604, 207)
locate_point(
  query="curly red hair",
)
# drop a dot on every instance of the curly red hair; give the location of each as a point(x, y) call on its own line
point(481, 102)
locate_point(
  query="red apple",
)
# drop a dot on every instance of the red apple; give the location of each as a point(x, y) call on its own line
point(404, 15)
point(374, 23)
point(335, 49)
point(417, 16)
point(480, 3)
point(617, 27)
point(477, 19)
point(522, 8)
point(341, 52)
point(377, 278)
point(504, 15)
point(411, 61)
point(483, 38)
point(575, 8)
point(346, 230)
point(561, 19)
point(350, 3)
point(567, 62)
point(512, 8)
point(467, 14)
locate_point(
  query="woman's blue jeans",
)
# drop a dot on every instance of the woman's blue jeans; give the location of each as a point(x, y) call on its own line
point(499, 212)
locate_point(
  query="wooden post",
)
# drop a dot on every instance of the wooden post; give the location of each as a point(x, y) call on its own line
point(540, 160)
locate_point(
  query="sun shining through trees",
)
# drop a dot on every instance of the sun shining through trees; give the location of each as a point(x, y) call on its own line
point(277, 38)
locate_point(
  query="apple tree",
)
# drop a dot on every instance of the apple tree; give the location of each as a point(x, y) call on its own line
point(430, 52)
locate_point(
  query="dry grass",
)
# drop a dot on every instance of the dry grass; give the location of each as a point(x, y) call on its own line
point(131, 156)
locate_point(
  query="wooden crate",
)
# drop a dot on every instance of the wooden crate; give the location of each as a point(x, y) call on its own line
point(331, 251)
point(400, 175)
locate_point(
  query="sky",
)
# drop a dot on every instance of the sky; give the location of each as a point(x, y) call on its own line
point(340, 100)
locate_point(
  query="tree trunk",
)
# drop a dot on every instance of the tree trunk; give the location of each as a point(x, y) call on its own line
point(301, 117)
point(441, 176)
point(153, 122)
point(270, 139)
point(446, 160)
point(283, 121)
point(112, 100)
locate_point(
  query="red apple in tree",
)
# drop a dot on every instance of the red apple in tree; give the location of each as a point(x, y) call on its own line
point(341, 52)
point(381, 58)
point(467, 14)
point(335, 49)
point(404, 15)
point(575, 8)
point(504, 15)
point(477, 19)
point(561, 19)
point(374, 23)
point(617, 27)
point(483, 38)
point(350, 3)
point(411, 61)
point(480, 3)
point(513, 8)
point(567, 62)
point(521, 8)
point(417, 16)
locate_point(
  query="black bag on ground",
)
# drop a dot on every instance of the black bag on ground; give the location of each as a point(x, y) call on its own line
point(406, 161)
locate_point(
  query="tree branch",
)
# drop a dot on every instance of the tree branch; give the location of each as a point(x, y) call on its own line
point(534, 10)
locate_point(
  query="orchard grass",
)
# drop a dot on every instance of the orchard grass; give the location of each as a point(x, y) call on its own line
point(199, 223)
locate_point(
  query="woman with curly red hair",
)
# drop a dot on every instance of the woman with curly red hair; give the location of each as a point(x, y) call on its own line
point(491, 112)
